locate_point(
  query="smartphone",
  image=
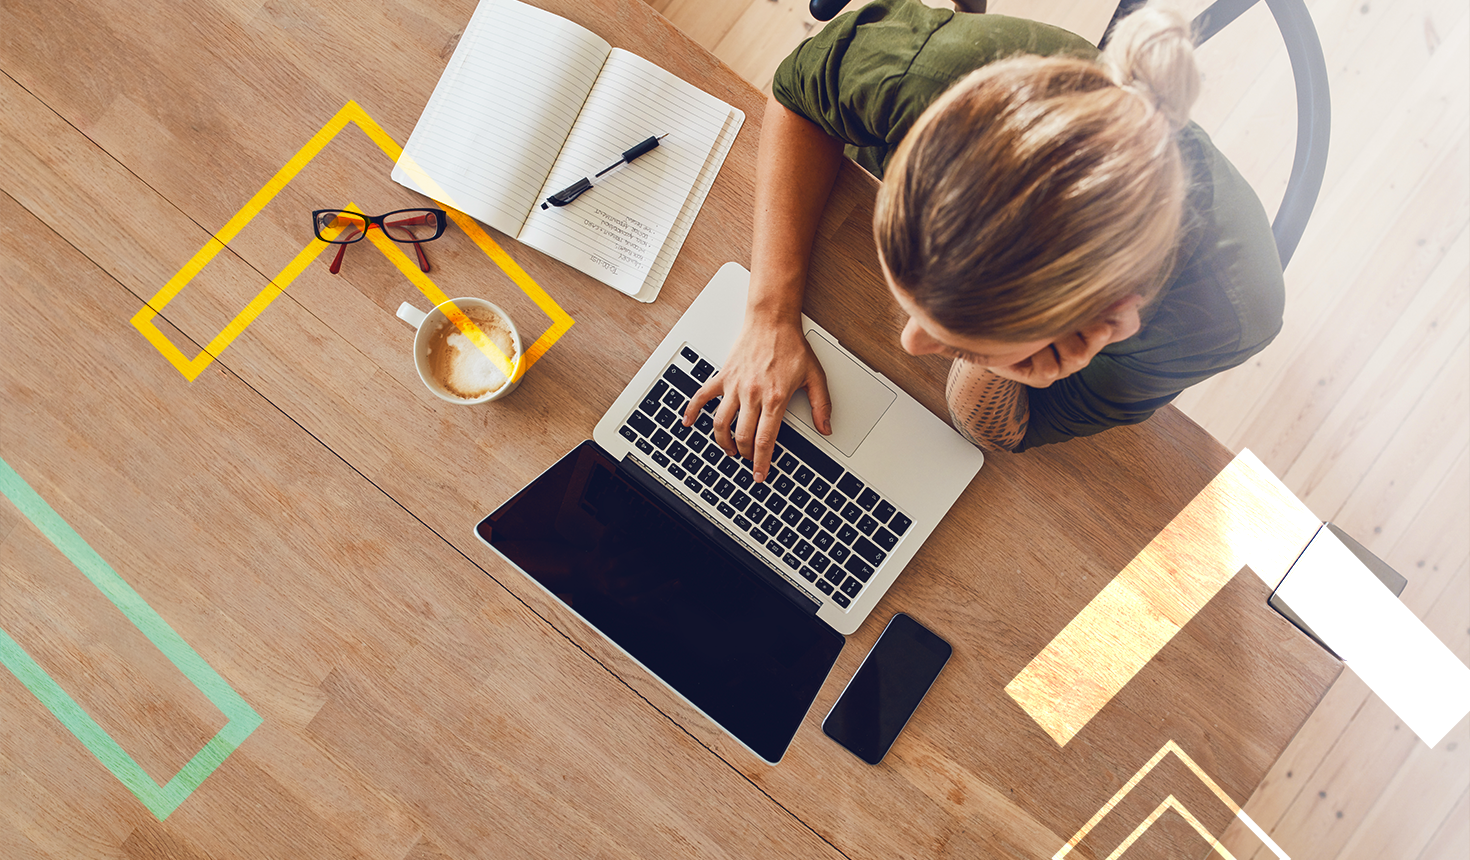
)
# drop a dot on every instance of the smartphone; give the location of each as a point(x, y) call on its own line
point(887, 688)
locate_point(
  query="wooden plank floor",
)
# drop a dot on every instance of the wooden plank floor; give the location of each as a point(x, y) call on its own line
point(1362, 405)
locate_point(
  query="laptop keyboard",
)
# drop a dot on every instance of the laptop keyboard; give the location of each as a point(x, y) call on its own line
point(811, 519)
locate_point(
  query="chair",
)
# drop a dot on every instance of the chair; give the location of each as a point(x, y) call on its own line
point(1313, 103)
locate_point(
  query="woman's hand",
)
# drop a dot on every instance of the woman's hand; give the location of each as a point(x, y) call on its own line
point(769, 362)
point(1066, 355)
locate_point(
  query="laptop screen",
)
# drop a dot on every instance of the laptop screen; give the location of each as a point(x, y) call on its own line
point(727, 641)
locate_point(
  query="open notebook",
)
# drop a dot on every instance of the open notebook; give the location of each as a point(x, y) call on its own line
point(529, 104)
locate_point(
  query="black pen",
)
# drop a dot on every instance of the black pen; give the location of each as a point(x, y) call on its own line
point(576, 189)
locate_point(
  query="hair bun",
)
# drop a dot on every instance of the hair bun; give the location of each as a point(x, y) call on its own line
point(1152, 52)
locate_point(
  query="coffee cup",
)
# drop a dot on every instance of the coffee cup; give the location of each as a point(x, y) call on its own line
point(466, 350)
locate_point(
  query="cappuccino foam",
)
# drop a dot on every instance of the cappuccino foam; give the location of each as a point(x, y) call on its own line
point(463, 368)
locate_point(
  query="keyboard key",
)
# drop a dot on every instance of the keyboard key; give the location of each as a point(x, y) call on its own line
point(666, 417)
point(675, 401)
point(831, 522)
point(743, 479)
point(824, 586)
point(792, 516)
point(836, 500)
point(677, 451)
point(886, 539)
point(883, 512)
point(644, 446)
point(723, 489)
point(658, 390)
point(857, 567)
point(725, 510)
point(692, 483)
point(803, 550)
point(772, 524)
point(852, 513)
point(710, 497)
point(711, 404)
point(867, 524)
point(775, 504)
point(820, 562)
point(900, 524)
point(681, 380)
point(808, 574)
point(784, 485)
point(806, 528)
point(834, 574)
point(679, 430)
point(841, 599)
point(708, 476)
point(808, 452)
point(727, 466)
point(823, 539)
point(689, 354)
point(758, 536)
point(692, 463)
point(649, 404)
point(697, 444)
point(867, 499)
point(660, 458)
point(760, 491)
point(642, 423)
point(677, 471)
point(816, 510)
point(702, 371)
point(775, 547)
point(739, 501)
point(851, 587)
point(627, 433)
point(741, 523)
point(839, 552)
point(756, 513)
point(850, 485)
point(804, 475)
point(661, 439)
point(788, 463)
point(704, 423)
point(798, 496)
point(819, 487)
point(868, 551)
point(788, 538)
point(713, 455)
point(847, 534)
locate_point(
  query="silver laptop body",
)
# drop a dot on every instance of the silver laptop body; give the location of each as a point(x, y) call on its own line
point(841, 516)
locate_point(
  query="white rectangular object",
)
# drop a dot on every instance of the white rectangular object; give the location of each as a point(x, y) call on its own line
point(1399, 658)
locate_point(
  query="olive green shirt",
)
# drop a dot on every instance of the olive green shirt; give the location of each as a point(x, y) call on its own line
point(869, 74)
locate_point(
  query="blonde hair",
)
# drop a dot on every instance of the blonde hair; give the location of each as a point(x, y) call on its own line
point(1037, 191)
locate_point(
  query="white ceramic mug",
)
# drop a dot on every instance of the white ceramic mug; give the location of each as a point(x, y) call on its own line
point(429, 323)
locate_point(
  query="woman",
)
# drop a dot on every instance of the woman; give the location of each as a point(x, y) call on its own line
point(1048, 217)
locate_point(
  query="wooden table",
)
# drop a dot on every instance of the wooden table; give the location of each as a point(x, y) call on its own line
point(300, 512)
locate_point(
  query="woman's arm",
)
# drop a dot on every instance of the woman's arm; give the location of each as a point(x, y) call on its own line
point(795, 171)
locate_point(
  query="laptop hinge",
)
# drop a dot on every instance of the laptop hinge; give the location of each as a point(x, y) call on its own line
point(679, 507)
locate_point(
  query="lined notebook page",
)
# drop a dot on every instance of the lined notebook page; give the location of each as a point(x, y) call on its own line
point(505, 103)
point(616, 231)
point(655, 281)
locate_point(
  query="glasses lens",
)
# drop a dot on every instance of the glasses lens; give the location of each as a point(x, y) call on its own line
point(412, 225)
point(339, 227)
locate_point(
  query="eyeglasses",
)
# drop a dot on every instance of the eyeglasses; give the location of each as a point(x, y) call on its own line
point(409, 226)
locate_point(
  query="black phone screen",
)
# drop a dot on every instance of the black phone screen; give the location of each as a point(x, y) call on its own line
point(887, 688)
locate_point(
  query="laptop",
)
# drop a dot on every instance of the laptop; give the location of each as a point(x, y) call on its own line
point(736, 595)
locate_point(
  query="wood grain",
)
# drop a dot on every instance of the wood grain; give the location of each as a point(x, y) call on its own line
point(302, 512)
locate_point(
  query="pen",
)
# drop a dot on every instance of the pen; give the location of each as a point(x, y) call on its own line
point(576, 189)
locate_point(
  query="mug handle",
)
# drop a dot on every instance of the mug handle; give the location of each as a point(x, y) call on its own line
point(411, 315)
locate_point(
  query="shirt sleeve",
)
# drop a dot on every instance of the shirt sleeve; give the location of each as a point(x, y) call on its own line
point(869, 74)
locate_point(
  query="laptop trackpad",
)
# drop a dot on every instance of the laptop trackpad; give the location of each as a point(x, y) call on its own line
point(859, 398)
